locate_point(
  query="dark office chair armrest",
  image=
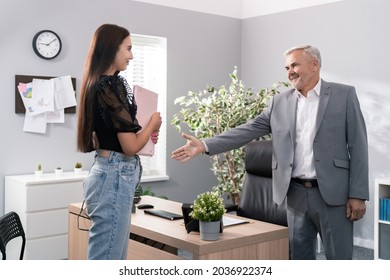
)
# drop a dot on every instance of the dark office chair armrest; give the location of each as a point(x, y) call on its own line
point(231, 207)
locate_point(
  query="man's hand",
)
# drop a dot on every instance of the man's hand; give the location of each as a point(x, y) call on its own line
point(356, 208)
point(191, 149)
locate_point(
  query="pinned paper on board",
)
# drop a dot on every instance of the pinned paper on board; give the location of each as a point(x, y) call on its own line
point(64, 95)
point(146, 105)
point(25, 91)
point(35, 123)
point(42, 99)
point(45, 101)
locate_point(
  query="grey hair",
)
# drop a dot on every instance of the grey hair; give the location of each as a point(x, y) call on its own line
point(307, 49)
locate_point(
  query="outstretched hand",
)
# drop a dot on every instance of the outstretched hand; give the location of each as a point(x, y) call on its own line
point(191, 149)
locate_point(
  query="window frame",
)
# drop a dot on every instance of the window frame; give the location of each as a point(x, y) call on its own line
point(152, 51)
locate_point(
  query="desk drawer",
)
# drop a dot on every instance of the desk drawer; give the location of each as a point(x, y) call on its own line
point(52, 196)
point(47, 223)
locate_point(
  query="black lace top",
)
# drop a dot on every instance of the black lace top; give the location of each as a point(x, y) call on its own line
point(115, 111)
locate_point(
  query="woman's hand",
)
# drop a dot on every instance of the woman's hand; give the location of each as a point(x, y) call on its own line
point(154, 136)
point(155, 121)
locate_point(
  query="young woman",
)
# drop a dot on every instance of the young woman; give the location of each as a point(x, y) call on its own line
point(107, 124)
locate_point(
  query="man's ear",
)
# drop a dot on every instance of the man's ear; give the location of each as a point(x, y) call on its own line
point(315, 65)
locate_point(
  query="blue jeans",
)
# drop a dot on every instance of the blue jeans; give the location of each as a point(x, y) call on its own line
point(109, 193)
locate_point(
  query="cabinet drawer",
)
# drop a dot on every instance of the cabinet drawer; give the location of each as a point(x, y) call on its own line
point(51, 248)
point(47, 223)
point(52, 196)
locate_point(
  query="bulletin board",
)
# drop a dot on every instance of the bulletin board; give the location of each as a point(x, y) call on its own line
point(19, 106)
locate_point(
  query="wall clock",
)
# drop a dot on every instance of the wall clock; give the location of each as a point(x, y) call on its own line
point(47, 44)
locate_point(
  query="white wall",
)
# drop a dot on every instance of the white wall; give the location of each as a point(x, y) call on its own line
point(230, 8)
point(239, 8)
point(255, 8)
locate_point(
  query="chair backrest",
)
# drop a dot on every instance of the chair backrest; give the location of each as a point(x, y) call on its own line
point(10, 228)
point(256, 197)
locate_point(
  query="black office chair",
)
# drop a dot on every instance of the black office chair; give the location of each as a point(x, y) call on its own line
point(256, 197)
point(10, 228)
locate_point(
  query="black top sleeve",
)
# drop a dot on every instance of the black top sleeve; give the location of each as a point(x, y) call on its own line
point(115, 111)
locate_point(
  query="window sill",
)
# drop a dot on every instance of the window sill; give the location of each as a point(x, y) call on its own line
point(154, 178)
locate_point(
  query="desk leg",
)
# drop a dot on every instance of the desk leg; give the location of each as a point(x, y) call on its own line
point(78, 239)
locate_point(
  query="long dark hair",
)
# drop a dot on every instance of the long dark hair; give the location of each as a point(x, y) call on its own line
point(101, 55)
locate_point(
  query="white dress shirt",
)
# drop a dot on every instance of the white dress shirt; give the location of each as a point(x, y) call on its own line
point(307, 108)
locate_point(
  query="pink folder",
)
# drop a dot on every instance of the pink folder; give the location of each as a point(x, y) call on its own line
point(147, 104)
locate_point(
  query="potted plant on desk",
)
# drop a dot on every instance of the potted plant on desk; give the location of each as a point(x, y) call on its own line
point(208, 209)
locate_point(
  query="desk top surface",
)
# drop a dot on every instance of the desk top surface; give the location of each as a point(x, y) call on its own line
point(174, 233)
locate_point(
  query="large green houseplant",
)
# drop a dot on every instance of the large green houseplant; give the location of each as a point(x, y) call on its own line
point(212, 111)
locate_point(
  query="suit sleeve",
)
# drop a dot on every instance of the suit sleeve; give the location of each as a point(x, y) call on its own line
point(358, 149)
point(242, 134)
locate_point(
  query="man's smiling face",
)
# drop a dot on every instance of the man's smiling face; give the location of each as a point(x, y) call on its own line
point(302, 71)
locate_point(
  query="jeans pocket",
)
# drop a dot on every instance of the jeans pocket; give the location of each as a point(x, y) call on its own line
point(93, 185)
point(127, 171)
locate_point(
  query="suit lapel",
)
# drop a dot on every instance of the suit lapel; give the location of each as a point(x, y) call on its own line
point(324, 99)
point(292, 100)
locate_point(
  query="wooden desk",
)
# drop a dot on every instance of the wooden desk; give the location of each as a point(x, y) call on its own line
point(254, 240)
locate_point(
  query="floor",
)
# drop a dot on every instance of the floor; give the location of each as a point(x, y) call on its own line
point(359, 253)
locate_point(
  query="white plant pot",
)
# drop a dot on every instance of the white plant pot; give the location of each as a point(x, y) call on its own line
point(78, 171)
point(209, 231)
point(38, 173)
point(58, 172)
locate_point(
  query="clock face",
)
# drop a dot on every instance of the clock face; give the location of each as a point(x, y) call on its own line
point(47, 44)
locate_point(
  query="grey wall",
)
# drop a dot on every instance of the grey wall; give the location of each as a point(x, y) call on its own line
point(202, 49)
point(351, 36)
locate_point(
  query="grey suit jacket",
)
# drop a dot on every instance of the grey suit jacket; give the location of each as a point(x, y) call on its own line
point(340, 144)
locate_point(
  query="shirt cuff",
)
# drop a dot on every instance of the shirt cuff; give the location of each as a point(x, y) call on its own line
point(205, 147)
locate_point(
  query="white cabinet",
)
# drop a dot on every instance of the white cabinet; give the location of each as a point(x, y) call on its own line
point(42, 204)
point(381, 227)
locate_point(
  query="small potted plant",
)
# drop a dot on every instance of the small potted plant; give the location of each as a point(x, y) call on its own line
point(39, 171)
point(58, 171)
point(208, 208)
point(78, 168)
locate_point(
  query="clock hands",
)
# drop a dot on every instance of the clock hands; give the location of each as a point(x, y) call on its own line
point(48, 44)
point(51, 41)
